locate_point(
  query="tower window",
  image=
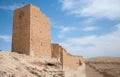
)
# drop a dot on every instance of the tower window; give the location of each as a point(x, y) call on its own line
point(21, 14)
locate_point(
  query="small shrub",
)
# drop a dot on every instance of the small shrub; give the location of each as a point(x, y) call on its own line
point(39, 76)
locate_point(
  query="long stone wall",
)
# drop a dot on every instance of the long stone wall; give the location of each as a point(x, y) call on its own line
point(71, 61)
point(66, 59)
point(31, 36)
point(73, 66)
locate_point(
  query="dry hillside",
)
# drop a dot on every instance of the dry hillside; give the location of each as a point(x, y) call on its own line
point(108, 66)
point(19, 65)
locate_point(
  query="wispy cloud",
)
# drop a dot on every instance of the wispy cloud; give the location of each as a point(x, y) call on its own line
point(89, 28)
point(6, 38)
point(93, 8)
point(92, 45)
point(64, 30)
point(10, 7)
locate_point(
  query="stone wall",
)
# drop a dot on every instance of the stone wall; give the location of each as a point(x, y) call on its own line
point(71, 61)
point(21, 30)
point(66, 59)
point(56, 50)
point(31, 36)
point(31, 32)
point(40, 43)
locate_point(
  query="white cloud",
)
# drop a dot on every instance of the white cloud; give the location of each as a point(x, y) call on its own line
point(89, 28)
point(6, 38)
point(10, 7)
point(89, 21)
point(61, 36)
point(93, 8)
point(92, 45)
point(64, 30)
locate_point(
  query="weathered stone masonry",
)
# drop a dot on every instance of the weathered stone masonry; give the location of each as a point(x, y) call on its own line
point(31, 36)
point(31, 32)
point(65, 58)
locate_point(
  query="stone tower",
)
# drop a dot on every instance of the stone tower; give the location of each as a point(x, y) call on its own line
point(31, 32)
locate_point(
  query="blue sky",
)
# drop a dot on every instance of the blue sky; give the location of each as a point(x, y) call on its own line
point(83, 27)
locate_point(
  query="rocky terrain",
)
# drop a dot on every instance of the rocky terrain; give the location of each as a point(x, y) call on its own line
point(106, 66)
point(20, 65)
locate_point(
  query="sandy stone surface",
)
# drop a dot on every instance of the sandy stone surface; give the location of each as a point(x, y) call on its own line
point(20, 65)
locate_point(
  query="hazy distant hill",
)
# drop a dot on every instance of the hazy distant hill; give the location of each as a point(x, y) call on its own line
point(108, 66)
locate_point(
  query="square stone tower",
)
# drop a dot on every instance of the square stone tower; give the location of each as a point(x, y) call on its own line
point(31, 32)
